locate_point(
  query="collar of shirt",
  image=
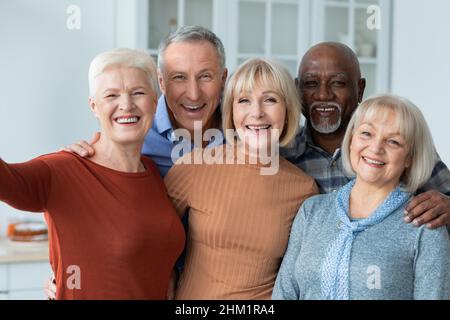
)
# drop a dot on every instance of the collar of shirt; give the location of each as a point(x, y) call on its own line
point(161, 122)
point(307, 140)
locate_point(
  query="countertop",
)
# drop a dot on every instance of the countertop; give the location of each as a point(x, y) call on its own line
point(19, 252)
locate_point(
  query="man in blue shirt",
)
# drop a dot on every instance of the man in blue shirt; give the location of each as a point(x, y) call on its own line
point(192, 75)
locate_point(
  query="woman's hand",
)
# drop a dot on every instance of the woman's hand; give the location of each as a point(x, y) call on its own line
point(50, 288)
point(83, 148)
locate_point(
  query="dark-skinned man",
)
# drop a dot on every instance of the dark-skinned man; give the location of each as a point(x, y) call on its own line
point(331, 87)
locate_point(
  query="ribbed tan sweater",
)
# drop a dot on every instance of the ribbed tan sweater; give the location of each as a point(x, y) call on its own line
point(239, 224)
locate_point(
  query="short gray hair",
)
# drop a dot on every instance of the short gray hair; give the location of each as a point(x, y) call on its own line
point(191, 34)
point(412, 126)
point(123, 57)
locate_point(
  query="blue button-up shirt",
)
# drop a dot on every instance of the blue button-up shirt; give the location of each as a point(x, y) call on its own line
point(161, 139)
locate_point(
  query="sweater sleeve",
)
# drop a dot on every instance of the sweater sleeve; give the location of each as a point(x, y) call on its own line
point(179, 184)
point(25, 186)
point(286, 286)
point(432, 265)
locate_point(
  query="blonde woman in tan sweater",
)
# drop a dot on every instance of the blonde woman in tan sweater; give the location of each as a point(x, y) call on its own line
point(242, 197)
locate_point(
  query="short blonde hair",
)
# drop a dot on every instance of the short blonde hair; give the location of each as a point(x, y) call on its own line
point(268, 73)
point(123, 57)
point(412, 127)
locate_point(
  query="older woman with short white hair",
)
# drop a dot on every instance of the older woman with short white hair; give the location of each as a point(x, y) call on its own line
point(353, 244)
point(113, 231)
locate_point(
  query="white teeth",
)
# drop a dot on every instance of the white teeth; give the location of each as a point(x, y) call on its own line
point(262, 127)
point(374, 162)
point(325, 109)
point(127, 120)
point(193, 107)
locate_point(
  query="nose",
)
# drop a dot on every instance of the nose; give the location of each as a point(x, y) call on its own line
point(376, 146)
point(126, 102)
point(256, 110)
point(323, 92)
point(192, 90)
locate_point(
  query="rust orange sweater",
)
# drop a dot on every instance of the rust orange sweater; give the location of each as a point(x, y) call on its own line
point(114, 235)
point(239, 223)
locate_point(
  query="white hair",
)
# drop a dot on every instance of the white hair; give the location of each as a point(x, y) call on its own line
point(411, 125)
point(123, 57)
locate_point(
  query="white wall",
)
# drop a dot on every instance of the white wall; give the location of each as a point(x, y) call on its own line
point(43, 76)
point(421, 63)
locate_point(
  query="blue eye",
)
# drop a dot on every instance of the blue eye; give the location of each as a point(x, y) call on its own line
point(179, 77)
point(394, 142)
point(206, 76)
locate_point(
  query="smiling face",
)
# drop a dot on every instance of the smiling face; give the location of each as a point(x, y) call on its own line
point(379, 155)
point(259, 117)
point(192, 81)
point(330, 86)
point(124, 104)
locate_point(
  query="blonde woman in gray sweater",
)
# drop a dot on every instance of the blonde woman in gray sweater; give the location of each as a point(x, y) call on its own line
point(353, 243)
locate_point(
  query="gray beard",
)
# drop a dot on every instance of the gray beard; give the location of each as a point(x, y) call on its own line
point(325, 127)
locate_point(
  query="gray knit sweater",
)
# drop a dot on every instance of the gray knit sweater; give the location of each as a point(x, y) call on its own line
point(390, 260)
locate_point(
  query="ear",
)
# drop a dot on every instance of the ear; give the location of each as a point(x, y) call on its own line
point(154, 102)
point(224, 77)
point(93, 105)
point(408, 162)
point(361, 88)
point(162, 86)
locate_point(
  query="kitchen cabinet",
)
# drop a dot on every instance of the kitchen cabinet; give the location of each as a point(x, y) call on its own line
point(23, 271)
point(282, 29)
point(364, 25)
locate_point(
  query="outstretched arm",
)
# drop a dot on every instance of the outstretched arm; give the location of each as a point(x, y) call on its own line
point(25, 186)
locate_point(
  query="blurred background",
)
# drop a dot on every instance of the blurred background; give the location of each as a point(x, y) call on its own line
point(46, 47)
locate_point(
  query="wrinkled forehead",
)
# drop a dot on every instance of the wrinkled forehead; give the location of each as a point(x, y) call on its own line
point(328, 61)
point(191, 55)
point(119, 72)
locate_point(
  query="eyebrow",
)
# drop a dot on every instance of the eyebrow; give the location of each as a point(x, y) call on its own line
point(171, 73)
point(271, 92)
point(264, 92)
point(118, 89)
point(396, 133)
point(138, 87)
point(110, 89)
point(311, 74)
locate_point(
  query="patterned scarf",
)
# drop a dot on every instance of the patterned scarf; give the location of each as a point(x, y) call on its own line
point(335, 267)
